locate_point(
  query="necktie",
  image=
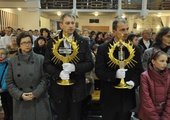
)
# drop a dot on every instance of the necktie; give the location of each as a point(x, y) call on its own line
point(66, 44)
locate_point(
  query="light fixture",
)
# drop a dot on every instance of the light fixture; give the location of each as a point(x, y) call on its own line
point(59, 13)
point(159, 15)
point(96, 14)
point(123, 16)
point(19, 9)
point(158, 27)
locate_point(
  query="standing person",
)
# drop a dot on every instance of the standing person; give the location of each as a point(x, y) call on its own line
point(27, 83)
point(162, 42)
point(134, 41)
point(40, 45)
point(6, 40)
point(98, 39)
point(6, 98)
point(153, 36)
point(117, 103)
point(155, 89)
point(146, 41)
point(46, 33)
point(13, 48)
point(68, 99)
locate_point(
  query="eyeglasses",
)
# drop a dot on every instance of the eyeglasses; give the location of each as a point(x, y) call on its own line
point(26, 43)
point(13, 39)
point(168, 36)
point(2, 53)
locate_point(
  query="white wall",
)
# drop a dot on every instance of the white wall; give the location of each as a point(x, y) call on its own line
point(103, 21)
point(45, 22)
point(28, 19)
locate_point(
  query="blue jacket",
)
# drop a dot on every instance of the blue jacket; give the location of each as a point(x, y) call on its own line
point(2, 67)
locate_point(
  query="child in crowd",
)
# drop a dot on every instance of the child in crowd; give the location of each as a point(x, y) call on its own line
point(155, 89)
point(6, 99)
point(13, 48)
point(40, 45)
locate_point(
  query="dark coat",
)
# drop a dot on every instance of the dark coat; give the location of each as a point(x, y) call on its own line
point(120, 99)
point(154, 95)
point(40, 50)
point(143, 45)
point(84, 65)
point(25, 74)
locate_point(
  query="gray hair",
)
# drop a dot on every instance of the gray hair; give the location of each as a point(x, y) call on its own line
point(116, 21)
point(67, 15)
point(5, 50)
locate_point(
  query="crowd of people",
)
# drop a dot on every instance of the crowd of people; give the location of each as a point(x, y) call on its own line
point(47, 76)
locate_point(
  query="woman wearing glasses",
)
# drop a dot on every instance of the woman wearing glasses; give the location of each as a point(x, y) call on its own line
point(27, 83)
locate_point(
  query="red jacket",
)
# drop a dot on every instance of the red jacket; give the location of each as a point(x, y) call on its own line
point(154, 95)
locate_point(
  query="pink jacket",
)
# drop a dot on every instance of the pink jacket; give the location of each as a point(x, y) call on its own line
point(154, 95)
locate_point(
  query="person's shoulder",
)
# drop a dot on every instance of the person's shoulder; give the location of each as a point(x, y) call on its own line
point(14, 58)
point(2, 38)
point(145, 74)
point(39, 56)
point(149, 50)
point(140, 40)
point(81, 39)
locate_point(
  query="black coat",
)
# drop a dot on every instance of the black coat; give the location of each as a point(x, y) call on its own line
point(121, 99)
point(40, 50)
point(143, 45)
point(84, 65)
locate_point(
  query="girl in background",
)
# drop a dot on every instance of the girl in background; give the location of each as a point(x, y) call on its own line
point(155, 89)
point(40, 45)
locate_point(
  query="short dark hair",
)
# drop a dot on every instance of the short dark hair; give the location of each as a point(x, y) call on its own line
point(131, 37)
point(46, 30)
point(23, 35)
point(116, 21)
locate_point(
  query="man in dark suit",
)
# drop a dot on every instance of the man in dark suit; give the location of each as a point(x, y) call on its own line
point(117, 103)
point(67, 99)
point(146, 41)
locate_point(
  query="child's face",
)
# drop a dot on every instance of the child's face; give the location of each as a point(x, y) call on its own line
point(85, 33)
point(41, 42)
point(160, 63)
point(3, 55)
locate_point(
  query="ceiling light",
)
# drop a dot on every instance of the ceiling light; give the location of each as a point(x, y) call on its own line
point(123, 16)
point(59, 13)
point(96, 14)
point(158, 15)
point(19, 9)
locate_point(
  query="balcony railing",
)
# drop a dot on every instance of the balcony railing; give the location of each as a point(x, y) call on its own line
point(102, 4)
point(56, 4)
point(96, 4)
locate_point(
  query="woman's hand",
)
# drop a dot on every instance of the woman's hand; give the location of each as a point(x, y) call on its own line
point(28, 96)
